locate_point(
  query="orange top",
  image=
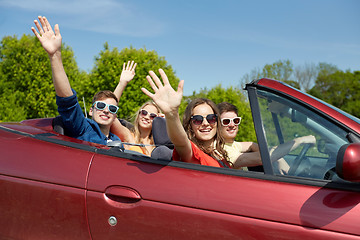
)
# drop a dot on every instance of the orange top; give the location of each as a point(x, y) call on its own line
point(199, 156)
point(137, 149)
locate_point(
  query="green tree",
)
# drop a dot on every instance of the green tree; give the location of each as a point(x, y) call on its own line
point(326, 69)
point(106, 75)
point(248, 77)
point(341, 89)
point(232, 95)
point(281, 70)
point(26, 79)
point(10, 110)
point(305, 75)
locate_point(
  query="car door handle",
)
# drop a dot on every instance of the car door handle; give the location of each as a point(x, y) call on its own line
point(122, 194)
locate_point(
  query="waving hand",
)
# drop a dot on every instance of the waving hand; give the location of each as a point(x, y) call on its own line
point(164, 95)
point(169, 101)
point(50, 40)
point(128, 72)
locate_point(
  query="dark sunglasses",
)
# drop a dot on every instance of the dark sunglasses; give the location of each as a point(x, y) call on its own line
point(101, 106)
point(227, 121)
point(198, 119)
point(145, 113)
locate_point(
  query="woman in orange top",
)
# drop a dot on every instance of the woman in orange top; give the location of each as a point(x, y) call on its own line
point(142, 131)
point(199, 140)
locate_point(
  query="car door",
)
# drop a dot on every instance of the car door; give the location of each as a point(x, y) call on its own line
point(141, 199)
point(282, 116)
point(42, 186)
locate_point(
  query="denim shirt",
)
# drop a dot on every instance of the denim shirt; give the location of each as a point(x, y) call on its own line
point(76, 125)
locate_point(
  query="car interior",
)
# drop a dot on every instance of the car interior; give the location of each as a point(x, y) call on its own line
point(283, 120)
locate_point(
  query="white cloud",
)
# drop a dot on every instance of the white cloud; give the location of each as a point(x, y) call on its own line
point(105, 16)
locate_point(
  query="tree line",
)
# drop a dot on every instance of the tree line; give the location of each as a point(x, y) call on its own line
point(324, 81)
point(26, 88)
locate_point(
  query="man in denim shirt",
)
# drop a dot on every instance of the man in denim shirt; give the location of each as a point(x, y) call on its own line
point(95, 130)
point(104, 106)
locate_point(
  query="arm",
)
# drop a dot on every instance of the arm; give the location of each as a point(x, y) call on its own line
point(283, 149)
point(122, 132)
point(248, 159)
point(249, 156)
point(169, 101)
point(277, 153)
point(249, 147)
point(51, 42)
point(127, 74)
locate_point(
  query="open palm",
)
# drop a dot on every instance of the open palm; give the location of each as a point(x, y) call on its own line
point(164, 95)
point(50, 40)
point(128, 71)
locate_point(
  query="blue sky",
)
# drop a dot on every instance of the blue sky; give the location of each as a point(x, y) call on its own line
point(207, 42)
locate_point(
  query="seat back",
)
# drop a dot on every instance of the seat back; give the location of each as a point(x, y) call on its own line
point(160, 134)
point(164, 147)
point(126, 123)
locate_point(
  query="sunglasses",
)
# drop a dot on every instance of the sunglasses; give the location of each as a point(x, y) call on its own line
point(145, 113)
point(101, 106)
point(198, 119)
point(227, 121)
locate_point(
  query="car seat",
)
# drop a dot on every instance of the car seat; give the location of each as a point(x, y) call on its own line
point(164, 147)
point(126, 123)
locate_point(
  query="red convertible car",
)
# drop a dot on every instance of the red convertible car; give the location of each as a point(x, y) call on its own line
point(56, 187)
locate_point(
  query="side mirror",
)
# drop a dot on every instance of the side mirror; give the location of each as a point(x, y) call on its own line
point(348, 162)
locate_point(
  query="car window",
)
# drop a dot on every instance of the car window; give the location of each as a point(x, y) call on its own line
point(284, 120)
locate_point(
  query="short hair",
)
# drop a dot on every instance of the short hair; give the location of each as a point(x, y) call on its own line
point(227, 107)
point(104, 94)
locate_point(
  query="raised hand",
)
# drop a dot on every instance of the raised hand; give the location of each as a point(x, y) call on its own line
point(128, 72)
point(164, 95)
point(50, 40)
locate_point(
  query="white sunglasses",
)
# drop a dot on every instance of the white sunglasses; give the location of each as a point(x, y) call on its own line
point(226, 121)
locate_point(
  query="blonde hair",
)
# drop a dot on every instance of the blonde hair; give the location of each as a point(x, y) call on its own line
point(136, 129)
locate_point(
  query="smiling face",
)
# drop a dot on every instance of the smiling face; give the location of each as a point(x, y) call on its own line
point(145, 122)
point(103, 117)
point(229, 132)
point(204, 132)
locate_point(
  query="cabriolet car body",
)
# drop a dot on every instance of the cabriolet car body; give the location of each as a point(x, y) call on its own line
point(56, 187)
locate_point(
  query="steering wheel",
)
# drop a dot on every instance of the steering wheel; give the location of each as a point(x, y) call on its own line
point(298, 159)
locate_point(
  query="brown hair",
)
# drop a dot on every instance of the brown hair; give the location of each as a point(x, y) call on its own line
point(136, 129)
point(218, 150)
point(104, 94)
point(227, 107)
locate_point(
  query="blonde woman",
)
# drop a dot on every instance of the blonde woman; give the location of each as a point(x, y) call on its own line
point(142, 130)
